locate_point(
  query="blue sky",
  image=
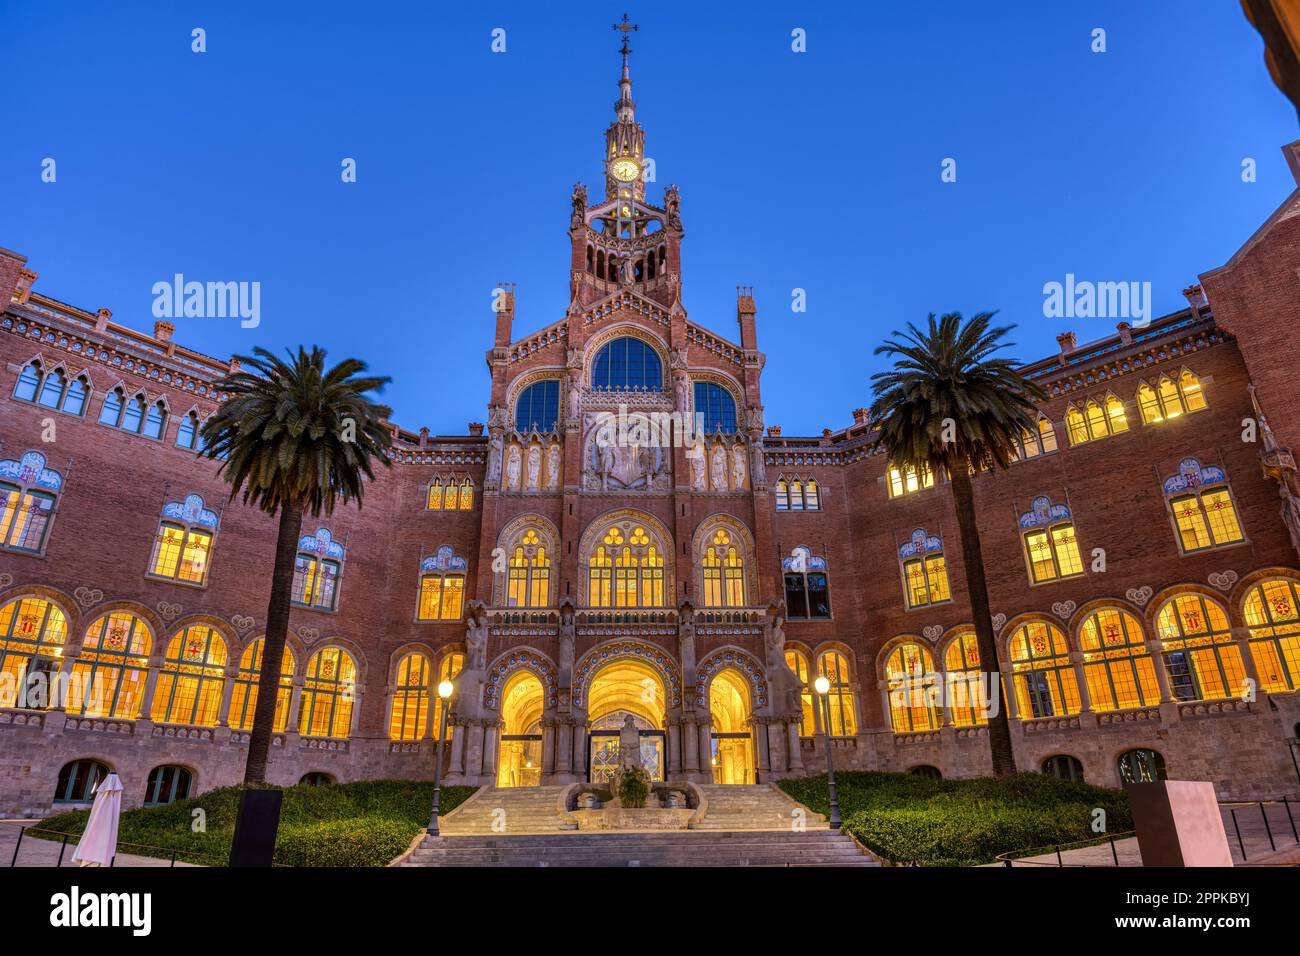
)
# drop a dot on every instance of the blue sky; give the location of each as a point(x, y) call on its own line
point(818, 171)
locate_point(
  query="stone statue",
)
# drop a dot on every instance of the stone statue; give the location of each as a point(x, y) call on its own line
point(624, 272)
point(738, 467)
point(568, 636)
point(1290, 510)
point(786, 690)
point(608, 462)
point(683, 385)
point(579, 216)
point(497, 447)
point(573, 358)
point(673, 206)
point(629, 744)
point(719, 473)
point(534, 467)
point(469, 682)
point(686, 639)
point(696, 453)
point(759, 468)
point(553, 467)
point(513, 466)
point(575, 401)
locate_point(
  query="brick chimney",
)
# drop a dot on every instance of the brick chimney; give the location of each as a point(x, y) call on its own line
point(476, 429)
point(12, 273)
point(773, 431)
point(1196, 299)
point(859, 416)
point(424, 436)
point(101, 319)
point(1125, 333)
point(503, 304)
point(162, 330)
point(745, 315)
point(1068, 343)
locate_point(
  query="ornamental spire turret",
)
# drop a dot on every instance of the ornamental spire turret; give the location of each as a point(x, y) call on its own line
point(625, 139)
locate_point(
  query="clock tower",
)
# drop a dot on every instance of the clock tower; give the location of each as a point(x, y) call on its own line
point(625, 141)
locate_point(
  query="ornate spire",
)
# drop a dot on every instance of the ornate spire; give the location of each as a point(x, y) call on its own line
point(625, 107)
point(624, 140)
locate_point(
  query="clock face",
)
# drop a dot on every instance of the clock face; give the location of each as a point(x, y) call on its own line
point(624, 170)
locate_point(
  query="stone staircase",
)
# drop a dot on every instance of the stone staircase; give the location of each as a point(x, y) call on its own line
point(741, 826)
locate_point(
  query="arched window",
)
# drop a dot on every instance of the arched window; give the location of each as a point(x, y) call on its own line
point(111, 412)
point(924, 570)
point(796, 495)
point(410, 713)
point(1274, 622)
point(724, 572)
point(1141, 766)
point(834, 666)
point(112, 669)
point(807, 593)
point(1042, 675)
point(1116, 664)
point(1097, 419)
point(1051, 546)
point(187, 435)
point(435, 495)
point(328, 694)
point(1170, 398)
point(968, 692)
point(133, 415)
point(78, 780)
point(442, 586)
point(52, 391)
point(782, 495)
point(905, 481)
point(155, 422)
point(626, 570)
point(628, 364)
point(315, 778)
point(529, 583)
point(1202, 508)
point(1076, 426)
point(913, 689)
point(1063, 767)
point(27, 502)
point(167, 784)
point(927, 771)
point(797, 661)
point(318, 571)
point(449, 668)
point(811, 496)
point(466, 494)
point(74, 403)
point(715, 409)
point(538, 407)
point(243, 696)
point(29, 382)
point(183, 546)
point(191, 679)
point(1201, 656)
point(32, 633)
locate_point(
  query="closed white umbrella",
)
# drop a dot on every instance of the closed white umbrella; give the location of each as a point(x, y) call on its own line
point(99, 843)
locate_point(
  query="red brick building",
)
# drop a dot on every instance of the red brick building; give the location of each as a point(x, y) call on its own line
point(572, 571)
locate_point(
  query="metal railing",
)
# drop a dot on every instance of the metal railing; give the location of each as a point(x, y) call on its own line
point(1012, 857)
point(166, 856)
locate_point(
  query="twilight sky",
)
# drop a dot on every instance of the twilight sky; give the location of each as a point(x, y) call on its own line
point(817, 171)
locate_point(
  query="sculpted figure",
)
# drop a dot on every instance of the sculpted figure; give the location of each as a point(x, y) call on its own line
point(534, 467)
point(783, 682)
point(719, 473)
point(469, 683)
point(497, 446)
point(738, 467)
point(568, 636)
point(553, 467)
point(579, 199)
point(686, 639)
point(696, 455)
point(513, 466)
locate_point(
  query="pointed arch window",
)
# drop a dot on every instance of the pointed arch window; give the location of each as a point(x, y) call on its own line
point(29, 382)
point(133, 414)
point(842, 716)
point(410, 709)
point(1041, 672)
point(968, 690)
point(110, 673)
point(724, 572)
point(187, 435)
point(1095, 420)
point(1201, 656)
point(529, 582)
point(243, 696)
point(110, 413)
point(318, 571)
point(449, 493)
point(807, 590)
point(328, 694)
point(183, 547)
point(56, 390)
point(1116, 664)
point(442, 586)
point(1202, 507)
point(32, 634)
point(913, 689)
point(908, 480)
point(1170, 397)
point(924, 569)
point(626, 570)
point(1272, 611)
point(28, 493)
point(797, 494)
point(192, 678)
point(155, 421)
point(1050, 544)
point(1040, 440)
point(782, 495)
point(449, 668)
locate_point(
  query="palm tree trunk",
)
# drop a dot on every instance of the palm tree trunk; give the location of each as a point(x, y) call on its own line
point(277, 630)
point(1004, 760)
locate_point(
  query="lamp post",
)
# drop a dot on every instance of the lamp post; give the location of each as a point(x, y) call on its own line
point(445, 690)
point(823, 687)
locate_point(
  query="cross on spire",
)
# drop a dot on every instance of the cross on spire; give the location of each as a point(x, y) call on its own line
point(626, 27)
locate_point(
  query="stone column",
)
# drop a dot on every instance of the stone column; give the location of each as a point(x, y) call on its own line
point(706, 748)
point(295, 705)
point(491, 749)
point(1081, 678)
point(1156, 649)
point(692, 755)
point(762, 754)
point(674, 750)
point(564, 741)
point(146, 700)
point(1009, 690)
point(228, 689)
point(457, 747)
point(1247, 660)
point(580, 748)
point(548, 748)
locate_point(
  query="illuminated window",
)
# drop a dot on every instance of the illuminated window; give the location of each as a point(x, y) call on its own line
point(1202, 508)
point(811, 496)
point(453, 662)
point(797, 494)
point(112, 669)
point(797, 661)
point(328, 694)
point(1096, 419)
point(32, 632)
point(834, 666)
point(243, 696)
point(1170, 397)
point(25, 513)
point(317, 571)
point(913, 689)
point(529, 582)
point(1116, 664)
point(167, 784)
point(782, 496)
point(1052, 552)
point(1201, 657)
point(628, 364)
point(538, 407)
point(967, 687)
point(925, 573)
point(1274, 622)
point(904, 481)
point(187, 435)
point(466, 494)
point(181, 553)
point(626, 570)
point(1042, 675)
point(435, 495)
point(441, 596)
point(191, 679)
point(715, 409)
point(1141, 766)
point(724, 572)
point(410, 716)
point(78, 780)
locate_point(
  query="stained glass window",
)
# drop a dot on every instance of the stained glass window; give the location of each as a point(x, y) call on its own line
point(782, 496)
point(410, 714)
point(1042, 675)
point(967, 687)
point(1272, 612)
point(797, 661)
point(925, 580)
point(32, 632)
point(449, 668)
point(538, 407)
point(328, 694)
point(243, 696)
point(628, 364)
point(913, 689)
point(315, 582)
point(1206, 519)
point(529, 574)
point(715, 405)
point(1202, 658)
point(834, 666)
point(24, 517)
point(724, 572)
point(181, 553)
point(1116, 664)
point(435, 495)
point(1052, 553)
point(191, 679)
point(110, 674)
point(441, 596)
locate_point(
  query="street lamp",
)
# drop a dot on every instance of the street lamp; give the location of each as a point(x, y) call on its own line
point(445, 690)
point(823, 687)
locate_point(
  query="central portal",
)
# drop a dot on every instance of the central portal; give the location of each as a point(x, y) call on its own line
point(624, 688)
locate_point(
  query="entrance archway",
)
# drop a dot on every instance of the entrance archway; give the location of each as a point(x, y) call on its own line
point(519, 757)
point(730, 707)
point(622, 688)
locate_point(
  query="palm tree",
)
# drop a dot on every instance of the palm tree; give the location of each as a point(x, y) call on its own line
point(948, 405)
point(294, 438)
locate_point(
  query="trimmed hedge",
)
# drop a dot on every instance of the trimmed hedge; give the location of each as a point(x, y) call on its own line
point(348, 824)
point(906, 818)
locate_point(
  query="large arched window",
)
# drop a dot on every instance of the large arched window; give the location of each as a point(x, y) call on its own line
point(912, 689)
point(243, 696)
point(1273, 614)
point(529, 582)
point(1063, 767)
point(843, 720)
point(626, 570)
point(1045, 685)
point(191, 679)
point(328, 694)
point(449, 668)
point(410, 709)
point(628, 364)
point(32, 633)
point(967, 689)
point(167, 784)
point(538, 407)
point(1119, 671)
point(78, 780)
point(724, 572)
point(55, 390)
point(715, 409)
point(1141, 766)
point(1203, 660)
point(797, 661)
point(110, 674)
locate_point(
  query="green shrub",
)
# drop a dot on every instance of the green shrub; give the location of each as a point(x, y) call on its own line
point(907, 818)
point(633, 787)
